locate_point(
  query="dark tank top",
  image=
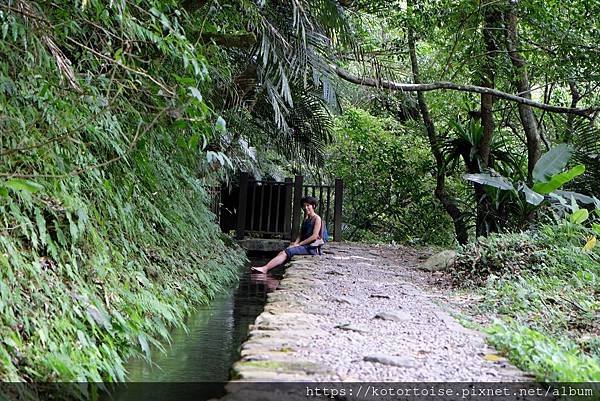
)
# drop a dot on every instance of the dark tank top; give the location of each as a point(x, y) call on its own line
point(308, 226)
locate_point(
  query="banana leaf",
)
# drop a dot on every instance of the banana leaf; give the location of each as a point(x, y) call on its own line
point(552, 162)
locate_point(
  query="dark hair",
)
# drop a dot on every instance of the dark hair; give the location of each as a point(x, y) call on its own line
point(311, 200)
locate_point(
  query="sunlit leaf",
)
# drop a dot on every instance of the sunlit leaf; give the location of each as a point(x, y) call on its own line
point(23, 185)
point(194, 141)
point(579, 216)
point(492, 357)
point(590, 244)
point(558, 180)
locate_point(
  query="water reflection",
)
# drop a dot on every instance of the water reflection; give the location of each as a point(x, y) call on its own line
point(269, 281)
point(210, 345)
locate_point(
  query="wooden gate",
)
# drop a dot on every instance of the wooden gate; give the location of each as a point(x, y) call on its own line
point(270, 209)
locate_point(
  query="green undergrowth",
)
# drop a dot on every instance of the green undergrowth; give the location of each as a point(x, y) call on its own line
point(105, 237)
point(97, 268)
point(544, 288)
point(549, 358)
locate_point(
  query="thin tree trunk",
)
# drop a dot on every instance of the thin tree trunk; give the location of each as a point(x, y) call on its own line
point(488, 74)
point(450, 205)
point(575, 98)
point(522, 82)
point(485, 221)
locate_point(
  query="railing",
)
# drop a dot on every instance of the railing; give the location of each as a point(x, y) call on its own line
point(270, 208)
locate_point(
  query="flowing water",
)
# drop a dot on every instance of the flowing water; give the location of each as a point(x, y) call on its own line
point(207, 348)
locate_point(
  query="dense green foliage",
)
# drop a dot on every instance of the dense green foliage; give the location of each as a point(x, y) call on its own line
point(545, 286)
point(105, 238)
point(550, 359)
point(378, 159)
point(114, 114)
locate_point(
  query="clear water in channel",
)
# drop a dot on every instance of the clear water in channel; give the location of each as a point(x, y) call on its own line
point(208, 348)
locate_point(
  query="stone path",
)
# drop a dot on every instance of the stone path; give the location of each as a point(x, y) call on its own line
point(363, 314)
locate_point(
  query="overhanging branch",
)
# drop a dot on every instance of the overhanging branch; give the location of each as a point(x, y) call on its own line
point(404, 87)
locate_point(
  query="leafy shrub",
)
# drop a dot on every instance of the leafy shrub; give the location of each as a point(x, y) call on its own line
point(549, 359)
point(497, 255)
point(105, 237)
point(554, 249)
point(546, 285)
point(378, 160)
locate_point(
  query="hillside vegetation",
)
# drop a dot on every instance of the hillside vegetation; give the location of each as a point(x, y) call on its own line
point(105, 237)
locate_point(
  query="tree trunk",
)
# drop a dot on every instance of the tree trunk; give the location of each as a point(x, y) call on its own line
point(450, 205)
point(488, 73)
point(522, 83)
point(485, 222)
point(575, 98)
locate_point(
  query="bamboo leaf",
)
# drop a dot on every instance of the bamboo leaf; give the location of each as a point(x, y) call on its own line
point(41, 225)
point(194, 141)
point(23, 185)
point(144, 345)
point(194, 92)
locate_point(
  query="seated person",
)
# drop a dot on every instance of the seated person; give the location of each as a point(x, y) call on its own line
point(310, 232)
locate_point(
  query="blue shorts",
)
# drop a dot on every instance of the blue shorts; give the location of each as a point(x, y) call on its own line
point(301, 250)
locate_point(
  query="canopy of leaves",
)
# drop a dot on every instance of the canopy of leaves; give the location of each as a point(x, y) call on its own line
point(378, 160)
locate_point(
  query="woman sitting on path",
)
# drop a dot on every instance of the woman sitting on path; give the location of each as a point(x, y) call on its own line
point(310, 232)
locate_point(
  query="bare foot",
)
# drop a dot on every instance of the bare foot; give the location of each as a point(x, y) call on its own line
point(258, 269)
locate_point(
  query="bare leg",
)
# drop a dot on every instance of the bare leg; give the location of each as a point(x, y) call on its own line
point(276, 261)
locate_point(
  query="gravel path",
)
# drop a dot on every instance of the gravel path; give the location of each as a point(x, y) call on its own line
point(364, 314)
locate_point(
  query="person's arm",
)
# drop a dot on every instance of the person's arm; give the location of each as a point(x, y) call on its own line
point(315, 234)
point(295, 243)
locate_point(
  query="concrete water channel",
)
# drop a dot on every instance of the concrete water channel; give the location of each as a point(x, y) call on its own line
point(205, 350)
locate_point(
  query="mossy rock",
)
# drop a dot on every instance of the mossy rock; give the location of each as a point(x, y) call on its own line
point(441, 261)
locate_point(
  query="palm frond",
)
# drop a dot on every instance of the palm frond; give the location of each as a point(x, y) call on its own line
point(586, 137)
point(308, 126)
